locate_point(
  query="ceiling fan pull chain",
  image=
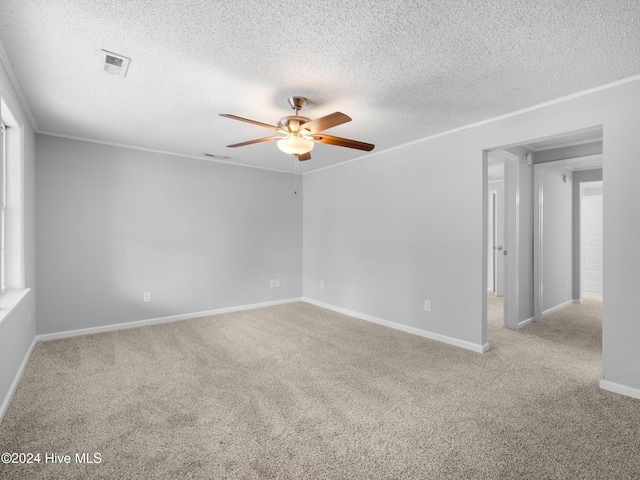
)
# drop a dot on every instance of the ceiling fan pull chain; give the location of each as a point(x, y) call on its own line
point(296, 180)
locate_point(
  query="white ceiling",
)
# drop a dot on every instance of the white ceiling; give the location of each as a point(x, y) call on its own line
point(403, 70)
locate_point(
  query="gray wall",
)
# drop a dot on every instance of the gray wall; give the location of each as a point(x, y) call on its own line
point(578, 178)
point(557, 244)
point(16, 333)
point(620, 325)
point(526, 234)
point(115, 222)
point(389, 231)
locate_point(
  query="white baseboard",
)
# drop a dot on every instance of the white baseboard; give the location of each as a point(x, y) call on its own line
point(524, 323)
point(619, 388)
point(155, 321)
point(559, 307)
point(16, 380)
point(405, 328)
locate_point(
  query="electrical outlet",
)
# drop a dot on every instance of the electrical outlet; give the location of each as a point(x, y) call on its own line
point(146, 297)
point(321, 284)
point(277, 282)
point(272, 283)
point(427, 305)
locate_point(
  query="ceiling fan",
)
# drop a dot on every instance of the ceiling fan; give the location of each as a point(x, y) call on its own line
point(300, 133)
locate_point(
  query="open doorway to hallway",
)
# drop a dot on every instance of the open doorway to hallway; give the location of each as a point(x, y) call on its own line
point(543, 211)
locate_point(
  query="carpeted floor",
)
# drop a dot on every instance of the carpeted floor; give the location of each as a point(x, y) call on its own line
point(298, 392)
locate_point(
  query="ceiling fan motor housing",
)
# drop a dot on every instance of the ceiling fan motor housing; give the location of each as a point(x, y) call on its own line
point(292, 124)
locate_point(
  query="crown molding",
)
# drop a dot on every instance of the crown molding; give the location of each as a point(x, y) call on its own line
point(162, 152)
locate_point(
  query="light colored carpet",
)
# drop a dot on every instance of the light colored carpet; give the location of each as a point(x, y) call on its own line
point(299, 392)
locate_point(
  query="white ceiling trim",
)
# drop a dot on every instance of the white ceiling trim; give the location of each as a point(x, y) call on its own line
point(162, 152)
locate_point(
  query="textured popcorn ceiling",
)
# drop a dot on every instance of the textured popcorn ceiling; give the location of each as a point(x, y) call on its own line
point(403, 70)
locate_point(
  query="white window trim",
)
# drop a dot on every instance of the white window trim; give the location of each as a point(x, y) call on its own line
point(3, 208)
point(14, 195)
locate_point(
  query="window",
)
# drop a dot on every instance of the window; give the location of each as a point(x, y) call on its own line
point(12, 221)
point(12, 274)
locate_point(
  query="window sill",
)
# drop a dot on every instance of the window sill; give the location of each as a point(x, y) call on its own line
point(9, 300)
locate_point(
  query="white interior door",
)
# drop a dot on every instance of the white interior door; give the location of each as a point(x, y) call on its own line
point(499, 242)
point(491, 256)
point(591, 242)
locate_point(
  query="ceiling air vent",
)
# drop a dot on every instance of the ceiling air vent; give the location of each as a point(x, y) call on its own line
point(113, 63)
point(217, 157)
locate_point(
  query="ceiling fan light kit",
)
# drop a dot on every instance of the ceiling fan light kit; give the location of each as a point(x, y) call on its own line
point(295, 145)
point(301, 133)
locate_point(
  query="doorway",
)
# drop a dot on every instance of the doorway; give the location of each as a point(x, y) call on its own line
point(523, 281)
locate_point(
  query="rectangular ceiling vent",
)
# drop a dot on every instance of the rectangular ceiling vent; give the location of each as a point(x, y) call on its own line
point(113, 63)
point(217, 157)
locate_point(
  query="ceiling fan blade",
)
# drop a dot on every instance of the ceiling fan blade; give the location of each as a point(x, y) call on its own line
point(260, 124)
point(323, 123)
point(342, 142)
point(304, 156)
point(251, 142)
